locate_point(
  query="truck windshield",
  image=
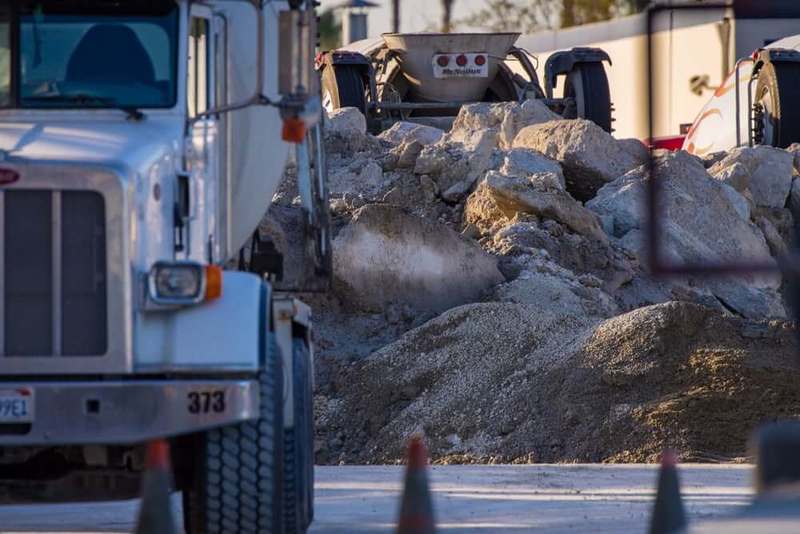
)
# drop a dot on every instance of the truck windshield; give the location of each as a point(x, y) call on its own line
point(88, 54)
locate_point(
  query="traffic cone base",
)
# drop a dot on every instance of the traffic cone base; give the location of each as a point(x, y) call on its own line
point(416, 508)
point(155, 511)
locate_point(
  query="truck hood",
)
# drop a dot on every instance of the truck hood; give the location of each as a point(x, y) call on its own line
point(127, 146)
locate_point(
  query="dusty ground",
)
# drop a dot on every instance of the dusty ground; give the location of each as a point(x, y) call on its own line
point(475, 499)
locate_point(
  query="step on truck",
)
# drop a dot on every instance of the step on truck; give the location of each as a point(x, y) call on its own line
point(140, 144)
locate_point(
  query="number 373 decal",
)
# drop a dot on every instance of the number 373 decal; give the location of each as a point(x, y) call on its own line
point(206, 401)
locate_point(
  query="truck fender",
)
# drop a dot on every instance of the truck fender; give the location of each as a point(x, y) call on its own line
point(563, 62)
point(343, 57)
point(352, 59)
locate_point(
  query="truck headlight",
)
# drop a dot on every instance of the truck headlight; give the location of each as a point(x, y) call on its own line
point(177, 283)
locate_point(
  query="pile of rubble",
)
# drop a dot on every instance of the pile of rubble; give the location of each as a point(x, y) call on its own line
point(490, 290)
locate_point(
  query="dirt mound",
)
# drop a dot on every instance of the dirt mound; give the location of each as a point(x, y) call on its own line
point(519, 383)
point(559, 354)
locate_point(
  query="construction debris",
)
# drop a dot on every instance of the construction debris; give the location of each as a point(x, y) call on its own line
point(490, 291)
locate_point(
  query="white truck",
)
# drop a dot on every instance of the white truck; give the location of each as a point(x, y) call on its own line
point(140, 144)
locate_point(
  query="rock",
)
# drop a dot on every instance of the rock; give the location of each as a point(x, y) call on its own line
point(699, 222)
point(454, 166)
point(739, 202)
point(766, 171)
point(794, 197)
point(346, 121)
point(552, 286)
point(524, 162)
point(406, 132)
point(589, 156)
point(580, 254)
point(709, 160)
point(794, 150)
point(510, 195)
point(636, 148)
point(366, 181)
point(408, 153)
point(387, 256)
point(506, 119)
point(777, 245)
point(736, 175)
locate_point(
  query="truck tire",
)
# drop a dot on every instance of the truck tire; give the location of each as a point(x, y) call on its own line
point(343, 87)
point(298, 458)
point(587, 83)
point(238, 481)
point(776, 113)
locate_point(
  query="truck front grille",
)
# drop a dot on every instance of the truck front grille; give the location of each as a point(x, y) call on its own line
point(54, 281)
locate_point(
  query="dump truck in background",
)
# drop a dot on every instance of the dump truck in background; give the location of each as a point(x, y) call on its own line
point(428, 77)
point(140, 143)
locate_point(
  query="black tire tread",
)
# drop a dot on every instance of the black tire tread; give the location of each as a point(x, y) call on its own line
point(298, 508)
point(238, 488)
point(783, 80)
point(596, 93)
point(346, 86)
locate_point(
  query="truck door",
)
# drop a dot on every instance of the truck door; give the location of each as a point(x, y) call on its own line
point(202, 156)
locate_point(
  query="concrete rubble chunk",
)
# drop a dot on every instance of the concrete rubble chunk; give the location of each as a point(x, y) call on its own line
point(406, 132)
point(535, 194)
point(765, 171)
point(526, 162)
point(506, 118)
point(456, 166)
point(346, 121)
point(794, 197)
point(386, 256)
point(700, 224)
point(589, 156)
point(794, 150)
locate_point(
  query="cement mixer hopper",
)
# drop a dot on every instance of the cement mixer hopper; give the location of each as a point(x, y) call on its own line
point(450, 67)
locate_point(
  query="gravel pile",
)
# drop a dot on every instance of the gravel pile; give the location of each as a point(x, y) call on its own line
point(489, 291)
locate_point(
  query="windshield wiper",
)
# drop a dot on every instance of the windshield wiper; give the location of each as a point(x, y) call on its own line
point(84, 98)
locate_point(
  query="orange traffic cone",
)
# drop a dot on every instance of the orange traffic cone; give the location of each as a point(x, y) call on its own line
point(416, 510)
point(155, 511)
point(668, 514)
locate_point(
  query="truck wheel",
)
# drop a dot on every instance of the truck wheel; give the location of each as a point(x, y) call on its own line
point(238, 481)
point(776, 113)
point(298, 448)
point(343, 87)
point(587, 83)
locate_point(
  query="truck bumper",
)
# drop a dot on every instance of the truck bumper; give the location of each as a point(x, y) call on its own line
point(126, 412)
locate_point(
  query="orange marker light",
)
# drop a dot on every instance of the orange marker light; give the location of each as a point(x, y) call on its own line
point(213, 282)
point(294, 130)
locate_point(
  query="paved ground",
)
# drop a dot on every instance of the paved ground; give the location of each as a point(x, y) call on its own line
point(468, 499)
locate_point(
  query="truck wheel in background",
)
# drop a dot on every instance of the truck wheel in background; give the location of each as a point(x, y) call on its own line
point(776, 114)
point(343, 87)
point(587, 83)
point(298, 455)
point(238, 480)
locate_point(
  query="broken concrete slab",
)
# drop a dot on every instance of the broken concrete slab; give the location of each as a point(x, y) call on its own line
point(386, 256)
point(511, 195)
point(346, 121)
point(766, 171)
point(589, 156)
point(405, 132)
point(506, 119)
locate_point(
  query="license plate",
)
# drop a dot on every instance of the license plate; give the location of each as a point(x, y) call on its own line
point(476, 65)
point(16, 405)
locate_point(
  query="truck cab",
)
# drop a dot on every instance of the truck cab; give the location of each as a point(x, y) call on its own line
point(140, 144)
